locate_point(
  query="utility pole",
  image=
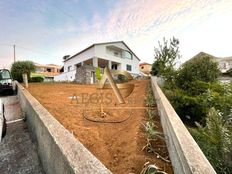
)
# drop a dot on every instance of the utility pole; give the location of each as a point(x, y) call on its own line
point(14, 52)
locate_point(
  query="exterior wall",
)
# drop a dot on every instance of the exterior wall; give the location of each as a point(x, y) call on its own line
point(101, 52)
point(146, 68)
point(66, 76)
point(98, 51)
point(225, 65)
point(59, 151)
point(83, 74)
point(88, 54)
point(185, 154)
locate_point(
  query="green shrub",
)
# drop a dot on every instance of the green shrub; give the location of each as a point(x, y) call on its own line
point(199, 68)
point(193, 104)
point(215, 140)
point(37, 79)
point(122, 78)
point(20, 67)
point(150, 99)
point(98, 73)
point(189, 108)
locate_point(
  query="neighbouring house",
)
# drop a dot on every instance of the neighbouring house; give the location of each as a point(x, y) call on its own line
point(224, 65)
point(47, 71)
point(145, 68)
point(114, 55)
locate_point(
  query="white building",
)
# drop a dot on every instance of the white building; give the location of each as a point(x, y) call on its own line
point(225, 64)
point(115, 55)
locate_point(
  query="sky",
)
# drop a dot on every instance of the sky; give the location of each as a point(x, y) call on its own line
point(46, 30)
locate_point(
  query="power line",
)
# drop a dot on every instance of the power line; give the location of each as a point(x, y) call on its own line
point(35, 51)
point(28, 49)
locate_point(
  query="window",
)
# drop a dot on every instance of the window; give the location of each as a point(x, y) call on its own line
point(69, 68)
point(5, 75)
point(128, 55)
point(114, 66)
point(128, 67)
point(116, 54)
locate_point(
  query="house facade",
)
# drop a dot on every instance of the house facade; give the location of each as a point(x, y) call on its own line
point(114, 55)
point(47, 71)
point(145, 68)
point(225, 64)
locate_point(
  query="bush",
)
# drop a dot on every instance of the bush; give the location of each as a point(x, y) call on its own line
point(215, 140)
point(122, 78)
point(193, 104)
point(37, 79)
point(201, 68)
point(189, 108)
point(20, 67)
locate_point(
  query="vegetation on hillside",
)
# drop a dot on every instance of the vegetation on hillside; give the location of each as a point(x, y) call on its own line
point(204, 104)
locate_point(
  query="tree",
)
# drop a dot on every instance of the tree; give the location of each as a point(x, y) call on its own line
point(165, 58)
point(20, 67)
point(201, 67)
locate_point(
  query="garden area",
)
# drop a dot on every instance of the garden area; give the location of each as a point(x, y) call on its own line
point(126, 138)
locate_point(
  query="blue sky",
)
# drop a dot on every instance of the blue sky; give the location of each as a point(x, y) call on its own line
point(46, 30)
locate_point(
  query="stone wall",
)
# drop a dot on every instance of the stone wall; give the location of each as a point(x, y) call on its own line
point(83, 74)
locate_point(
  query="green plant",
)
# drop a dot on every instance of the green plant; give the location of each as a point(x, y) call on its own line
point(122, 78)
point(150, 114)
point(215, 140)
point(151, 132)
point(20, 67)
point(199, 68)
point(166, 56)
point(150, 99)
point(151, 169)
point(98, 73)
point(37, 79)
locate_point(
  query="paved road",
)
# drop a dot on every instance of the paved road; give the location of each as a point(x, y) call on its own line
point(17, 152)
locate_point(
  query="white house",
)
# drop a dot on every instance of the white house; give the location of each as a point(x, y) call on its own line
point(81, 66)
point(225, 64)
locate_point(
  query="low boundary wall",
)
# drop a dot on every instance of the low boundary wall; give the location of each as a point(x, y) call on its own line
point(185, 154)
point(59, 151)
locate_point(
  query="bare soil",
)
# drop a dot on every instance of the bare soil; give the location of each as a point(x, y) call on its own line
point(116, 137)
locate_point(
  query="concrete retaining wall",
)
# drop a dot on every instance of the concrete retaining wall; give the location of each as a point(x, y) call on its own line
point(185, 154)
point(59, 151)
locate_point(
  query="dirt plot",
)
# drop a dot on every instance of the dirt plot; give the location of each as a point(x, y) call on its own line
point(118, 145)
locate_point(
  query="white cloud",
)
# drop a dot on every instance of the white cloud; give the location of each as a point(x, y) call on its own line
point(200, 26)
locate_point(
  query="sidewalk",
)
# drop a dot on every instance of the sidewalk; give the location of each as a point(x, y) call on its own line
point(17, 152)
